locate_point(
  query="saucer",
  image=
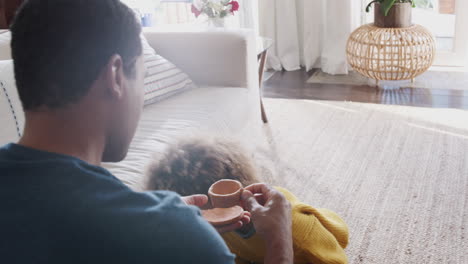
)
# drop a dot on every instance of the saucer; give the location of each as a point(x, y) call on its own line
point(223, 216)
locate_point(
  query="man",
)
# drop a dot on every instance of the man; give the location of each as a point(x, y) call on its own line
point(79, 72)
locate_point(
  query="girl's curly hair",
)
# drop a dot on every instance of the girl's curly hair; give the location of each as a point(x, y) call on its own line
point(192, 166)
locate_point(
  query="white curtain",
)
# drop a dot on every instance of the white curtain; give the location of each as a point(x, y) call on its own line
point(246, 17)
point(308, 33)
point(248, 14)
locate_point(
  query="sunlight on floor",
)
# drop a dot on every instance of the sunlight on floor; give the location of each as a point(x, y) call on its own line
point(452, 118)
point(438, 130)
point(448, 69)
point(323, 103)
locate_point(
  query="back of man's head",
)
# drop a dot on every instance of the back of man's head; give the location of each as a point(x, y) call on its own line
point(60, 47)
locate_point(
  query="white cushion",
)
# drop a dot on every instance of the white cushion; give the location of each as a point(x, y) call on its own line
point(163, 79)
point(5, 50)
point(202, 111)
point(11, 111)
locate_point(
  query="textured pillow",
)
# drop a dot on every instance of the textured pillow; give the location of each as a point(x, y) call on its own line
point(11, 111)
point(163, 79)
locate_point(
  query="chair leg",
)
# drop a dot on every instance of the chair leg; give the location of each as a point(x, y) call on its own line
point(264, 116)
point(261, 70)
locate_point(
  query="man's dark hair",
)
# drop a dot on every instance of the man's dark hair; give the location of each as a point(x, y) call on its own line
point(59, 47)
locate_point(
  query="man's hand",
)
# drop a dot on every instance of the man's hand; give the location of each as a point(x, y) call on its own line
point(271, 216)
point(198, 200)
point(238, 225)
point(201, 201)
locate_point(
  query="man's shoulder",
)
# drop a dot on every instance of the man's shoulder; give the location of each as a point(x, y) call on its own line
point(22, 161)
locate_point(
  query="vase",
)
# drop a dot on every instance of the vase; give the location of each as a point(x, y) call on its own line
point(399, 16)
point(216, 22)
point(147, 20)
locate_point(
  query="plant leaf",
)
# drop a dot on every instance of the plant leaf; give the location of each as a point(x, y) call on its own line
point(370, 4)
point(387, 5)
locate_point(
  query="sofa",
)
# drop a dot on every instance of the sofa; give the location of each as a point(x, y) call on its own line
point(226, 102)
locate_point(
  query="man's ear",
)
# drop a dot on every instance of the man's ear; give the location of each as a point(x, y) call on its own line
point(114, 77)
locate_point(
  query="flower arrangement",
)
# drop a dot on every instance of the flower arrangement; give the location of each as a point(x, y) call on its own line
point(214, 8)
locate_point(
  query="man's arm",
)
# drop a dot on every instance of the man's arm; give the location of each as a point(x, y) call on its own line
point(279, 250)
point(272, 220)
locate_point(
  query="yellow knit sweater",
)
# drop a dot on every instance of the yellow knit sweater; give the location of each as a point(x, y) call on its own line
point(319, 236)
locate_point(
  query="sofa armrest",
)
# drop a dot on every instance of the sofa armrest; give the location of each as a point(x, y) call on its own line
point(213, 58)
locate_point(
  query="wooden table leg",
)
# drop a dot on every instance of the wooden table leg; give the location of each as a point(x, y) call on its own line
point(264, 116)
point(3, 20)
point(261, 70)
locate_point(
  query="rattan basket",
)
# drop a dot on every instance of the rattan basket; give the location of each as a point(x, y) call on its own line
point(391, 53)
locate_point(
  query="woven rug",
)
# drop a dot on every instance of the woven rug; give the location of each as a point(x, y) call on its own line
point(397, 175)
point(430, 80)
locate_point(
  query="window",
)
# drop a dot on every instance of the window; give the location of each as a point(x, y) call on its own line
point(176, 12)
point(161, 12)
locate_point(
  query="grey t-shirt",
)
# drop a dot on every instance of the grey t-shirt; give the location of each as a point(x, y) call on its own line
point(59, 209)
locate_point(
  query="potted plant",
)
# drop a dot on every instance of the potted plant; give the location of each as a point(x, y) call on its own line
point(392, 13)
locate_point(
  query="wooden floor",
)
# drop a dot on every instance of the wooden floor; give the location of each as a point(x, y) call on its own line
point(293, 85)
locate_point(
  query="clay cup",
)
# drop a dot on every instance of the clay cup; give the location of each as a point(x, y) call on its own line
point(225, 193)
